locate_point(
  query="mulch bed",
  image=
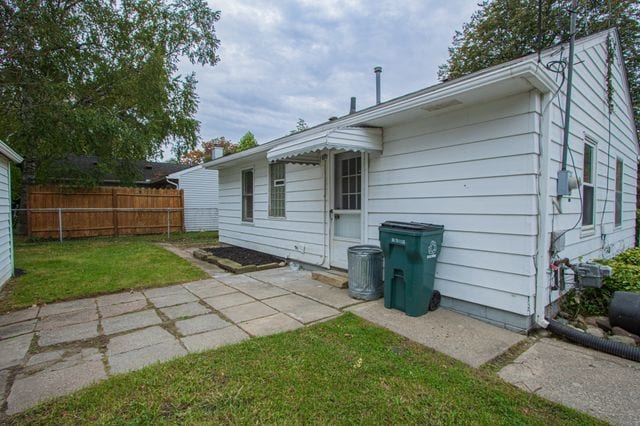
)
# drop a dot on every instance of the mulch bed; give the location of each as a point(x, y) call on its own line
point(243, 256)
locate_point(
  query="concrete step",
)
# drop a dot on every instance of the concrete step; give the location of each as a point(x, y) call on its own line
point(334, 278)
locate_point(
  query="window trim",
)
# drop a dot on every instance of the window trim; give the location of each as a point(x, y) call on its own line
point(617, 224)
point(243, 216)
point(271, 186)
point(588, 230)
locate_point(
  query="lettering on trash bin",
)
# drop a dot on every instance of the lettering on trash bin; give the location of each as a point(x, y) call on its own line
point(398, 241)
point(432, 249)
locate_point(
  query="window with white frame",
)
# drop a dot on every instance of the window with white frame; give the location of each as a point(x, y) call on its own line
point(348, 181)
point(247, 195)
point(618, 206)
point(588, 179)
point(277, 190)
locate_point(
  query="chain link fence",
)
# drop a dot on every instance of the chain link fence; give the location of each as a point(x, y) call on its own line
point(83, 222)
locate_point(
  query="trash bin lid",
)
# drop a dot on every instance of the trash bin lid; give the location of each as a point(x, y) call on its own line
point(364, 250)
point(413, 226)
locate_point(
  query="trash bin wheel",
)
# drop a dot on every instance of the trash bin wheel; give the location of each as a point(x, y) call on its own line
point(435, 300)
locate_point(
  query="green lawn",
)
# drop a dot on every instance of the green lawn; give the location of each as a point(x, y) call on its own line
point(82, 268)
point(343, 371)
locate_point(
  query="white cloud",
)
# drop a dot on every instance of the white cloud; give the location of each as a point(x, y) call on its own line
point(289, 59)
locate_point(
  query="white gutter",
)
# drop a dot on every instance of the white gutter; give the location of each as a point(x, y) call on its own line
point(10, 153)
point(176, 175)
point(527, 69)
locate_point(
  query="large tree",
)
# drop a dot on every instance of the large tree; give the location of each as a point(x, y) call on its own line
point(100, 77)
point(502, 30)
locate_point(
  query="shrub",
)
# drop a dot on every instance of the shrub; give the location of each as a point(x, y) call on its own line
point(595, 301)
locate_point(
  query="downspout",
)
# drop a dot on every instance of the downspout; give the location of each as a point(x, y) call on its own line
point(542, 263)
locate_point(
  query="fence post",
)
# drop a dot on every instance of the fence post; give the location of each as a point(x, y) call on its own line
point(114, 206)
point(60, 223)
point(168, 223)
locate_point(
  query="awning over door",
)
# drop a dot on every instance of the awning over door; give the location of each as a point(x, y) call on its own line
point(307, 150)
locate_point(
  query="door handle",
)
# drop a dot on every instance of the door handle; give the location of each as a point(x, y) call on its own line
point(331, 214)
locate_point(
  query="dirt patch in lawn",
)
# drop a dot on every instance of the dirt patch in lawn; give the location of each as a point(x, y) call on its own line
point(242, 256)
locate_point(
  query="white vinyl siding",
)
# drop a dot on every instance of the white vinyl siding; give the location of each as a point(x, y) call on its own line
point(590, 118)
point(200, 189)
point(475, 172)
point(300, 236)
point(6, 255)
point(277, 190)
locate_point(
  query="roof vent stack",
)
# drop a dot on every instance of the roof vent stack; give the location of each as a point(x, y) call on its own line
point(378, 71)
point(352, 108)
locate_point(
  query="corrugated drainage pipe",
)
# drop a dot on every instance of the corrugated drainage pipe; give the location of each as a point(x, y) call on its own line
point(593, 342)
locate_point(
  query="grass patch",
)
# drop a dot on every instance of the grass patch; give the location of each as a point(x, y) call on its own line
point(84, 268)
point(339, 372)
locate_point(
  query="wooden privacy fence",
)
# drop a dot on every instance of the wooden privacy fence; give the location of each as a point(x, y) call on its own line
point(69, 212)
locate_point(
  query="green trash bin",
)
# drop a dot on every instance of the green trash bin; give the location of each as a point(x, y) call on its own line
point(410, 253)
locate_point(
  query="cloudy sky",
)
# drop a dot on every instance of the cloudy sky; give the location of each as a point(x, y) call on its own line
point(289, 59)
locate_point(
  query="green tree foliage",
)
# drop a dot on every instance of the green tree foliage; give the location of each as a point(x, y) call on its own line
point(301, 126)
point(205, 153)
point(100, 77)
point(502, 30)
point(247, 141)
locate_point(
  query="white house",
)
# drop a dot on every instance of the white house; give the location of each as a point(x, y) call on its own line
point(200, 189)
point(7, 155)
point(479, 155)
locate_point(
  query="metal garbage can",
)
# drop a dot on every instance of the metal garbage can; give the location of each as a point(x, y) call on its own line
point(365, 272)
point(410, 251)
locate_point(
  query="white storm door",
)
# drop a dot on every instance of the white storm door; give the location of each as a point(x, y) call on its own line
point(346, 206)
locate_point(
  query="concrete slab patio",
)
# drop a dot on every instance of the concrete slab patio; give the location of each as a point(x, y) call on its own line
point(466, 339)
point(596, 383)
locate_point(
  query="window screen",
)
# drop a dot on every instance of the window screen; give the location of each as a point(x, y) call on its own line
point(618, 207)
point(348, 183)
point(276, 190)
point(247, 195)
point(587, 185)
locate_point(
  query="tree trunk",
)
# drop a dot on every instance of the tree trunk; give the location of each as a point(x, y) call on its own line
point(28, 179)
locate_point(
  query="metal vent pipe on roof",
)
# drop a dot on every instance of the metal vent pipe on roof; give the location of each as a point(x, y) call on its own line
point(352, 109)
point(378, 71)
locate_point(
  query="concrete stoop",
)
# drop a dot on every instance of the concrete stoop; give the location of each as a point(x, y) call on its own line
point(337, 279)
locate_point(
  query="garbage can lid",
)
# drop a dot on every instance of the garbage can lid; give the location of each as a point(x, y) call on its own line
point(364, 249)
point(412, 226)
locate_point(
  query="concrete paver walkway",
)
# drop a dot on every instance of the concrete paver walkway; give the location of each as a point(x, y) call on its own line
point(61, 347)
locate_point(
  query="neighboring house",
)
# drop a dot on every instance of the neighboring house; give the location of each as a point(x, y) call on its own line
point(7, 155)
point(479, 155)
point(151, 174)
point(200, 189)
